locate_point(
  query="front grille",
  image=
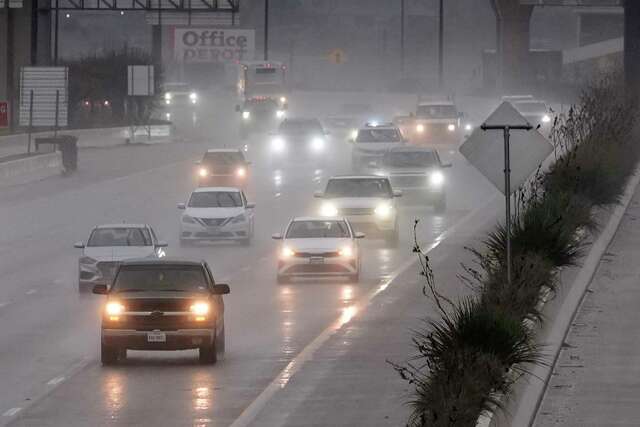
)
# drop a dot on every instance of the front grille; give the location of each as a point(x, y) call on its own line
point(107, 269)
point(213, 222)
point(317, 254)
point(317, 268)
point(357, 211)
point(158, 304)
point(163, 323)
point(204, 235)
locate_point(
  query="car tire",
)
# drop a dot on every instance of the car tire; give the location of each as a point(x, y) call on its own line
point(282, 280)
point(208, 354)
point(440, 206)
point(108, 354)
point(221, 343)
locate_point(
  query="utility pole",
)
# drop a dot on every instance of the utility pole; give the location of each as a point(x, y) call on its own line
point(56, 30)
point(402, 14)
point(266, 30)
point(441, 46)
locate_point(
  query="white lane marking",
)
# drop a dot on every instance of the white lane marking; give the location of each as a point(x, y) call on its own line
point(11, 412)
point(31, 291)
point(56, 380)
point(282, 379)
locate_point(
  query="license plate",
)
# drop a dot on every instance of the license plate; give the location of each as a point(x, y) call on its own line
point(316, 260)
point(156, 337)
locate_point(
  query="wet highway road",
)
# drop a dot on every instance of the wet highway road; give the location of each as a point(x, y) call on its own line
point(49, 362)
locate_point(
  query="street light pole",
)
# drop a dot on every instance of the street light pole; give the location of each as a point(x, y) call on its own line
point(402, 14)
point(266, 30)
point(441, 46)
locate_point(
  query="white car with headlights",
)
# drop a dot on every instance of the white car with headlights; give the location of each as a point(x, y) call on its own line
point(179, 94)
point(368, 144)
point(216, 213)
point(299, 137)
point(318, 246)
point(367, 202)
point(110, 244)
point(417, 172)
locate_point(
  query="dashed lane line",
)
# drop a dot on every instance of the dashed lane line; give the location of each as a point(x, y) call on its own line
point(11, 412)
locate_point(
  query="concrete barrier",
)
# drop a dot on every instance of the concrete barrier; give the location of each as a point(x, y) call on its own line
point(29, 169)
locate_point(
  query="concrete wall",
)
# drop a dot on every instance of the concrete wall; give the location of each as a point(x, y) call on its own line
point(29, 169)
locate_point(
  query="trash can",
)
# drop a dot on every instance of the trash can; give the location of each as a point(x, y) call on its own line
point(68, 146)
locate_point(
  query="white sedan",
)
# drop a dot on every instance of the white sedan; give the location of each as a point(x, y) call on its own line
point(216, 213)
point(316, 246)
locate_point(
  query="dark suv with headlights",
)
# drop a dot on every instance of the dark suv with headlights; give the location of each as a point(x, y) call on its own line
point(162, 305)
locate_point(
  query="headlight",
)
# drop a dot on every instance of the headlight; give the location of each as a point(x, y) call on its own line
point(193, 96)
point(238, 218)
point(546, 118)
point(280, 114)
point(200, 308)
point(287, 252)
point(383, 211)
point(114, 308)
point(241, 172)
point(87, 260)
point(246, 115)
point(167, 96)
point(277, 144)
point(468, 127)
point(188, 219)
point(346, 252)
point(420, 128)
point(283, 99)
point(451, 127)
point(203, 172)
point(436, 179)
point(328, 209)
point(354, 134)
point(317, 143)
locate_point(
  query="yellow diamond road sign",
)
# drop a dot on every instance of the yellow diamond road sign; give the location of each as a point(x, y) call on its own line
point(337, 56)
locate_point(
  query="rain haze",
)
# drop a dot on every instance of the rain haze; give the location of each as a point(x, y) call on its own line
point(285, 213)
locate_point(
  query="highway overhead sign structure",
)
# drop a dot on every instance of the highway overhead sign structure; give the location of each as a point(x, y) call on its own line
point(337, 56)
point(485, 150)
point(43, 96)
point(140, 80)
point(573, 3)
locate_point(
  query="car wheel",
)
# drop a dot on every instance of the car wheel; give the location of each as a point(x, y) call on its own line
point(221, 342)
point(108, 354)
point(208, 354)
point(281, 279)
point(440, 206)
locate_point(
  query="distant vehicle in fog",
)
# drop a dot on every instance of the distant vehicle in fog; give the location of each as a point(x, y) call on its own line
point(299, 137)
point(349, 116)
point(536, 111)
point(371, 142)
point(179, 94)
point(417, 172)
point(317, 246)
point(162, 305)
point(223, 167)
point(110, 244)
point(216, 213)
point(367, 202)
point(262, 94)
point(437, 122)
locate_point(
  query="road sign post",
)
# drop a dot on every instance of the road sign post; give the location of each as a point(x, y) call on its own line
point(507, 163)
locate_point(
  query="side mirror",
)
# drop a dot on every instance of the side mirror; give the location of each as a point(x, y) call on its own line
point(251, 205)
point(397, 193)
point(446, 165)
point(318, 195)
point(161, 244)
point(238, 109)
point(78, 245)
point(100, 289)
point(182, 206)
point(276, 236)
point(359, 235)
point(221, 289)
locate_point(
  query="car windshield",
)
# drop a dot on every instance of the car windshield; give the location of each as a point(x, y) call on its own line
point(379, 135)
point(176, 87)
point(160, 278)
point(223, 158)
point(119, 236)
point(409, 159)
point(318, 229)
point(531, 107)
point(300, 126)
point(359, 187)
point(436, 111)
point(215, 199)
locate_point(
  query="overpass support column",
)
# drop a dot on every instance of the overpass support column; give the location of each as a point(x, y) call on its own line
point(513, 28)
point(632, 46)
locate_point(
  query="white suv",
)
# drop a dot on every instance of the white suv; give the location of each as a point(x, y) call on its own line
point(216, 213)
point(367, 201)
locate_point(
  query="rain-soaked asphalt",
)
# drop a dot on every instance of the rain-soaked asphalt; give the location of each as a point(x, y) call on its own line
point(50, 374)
